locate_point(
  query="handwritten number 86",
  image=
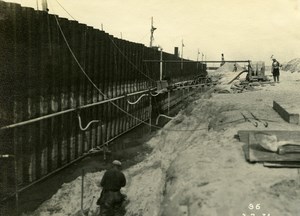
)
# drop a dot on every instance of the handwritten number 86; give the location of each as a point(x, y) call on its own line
point(251, 206)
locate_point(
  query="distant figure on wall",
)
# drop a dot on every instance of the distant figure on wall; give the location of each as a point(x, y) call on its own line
point(223, 60)
point(275, 70)
point(234, 67)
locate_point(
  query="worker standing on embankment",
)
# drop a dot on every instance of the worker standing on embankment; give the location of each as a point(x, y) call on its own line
point(111, 199)
point(275, 70)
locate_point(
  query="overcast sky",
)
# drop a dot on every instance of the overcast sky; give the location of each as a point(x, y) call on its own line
point(252, 29)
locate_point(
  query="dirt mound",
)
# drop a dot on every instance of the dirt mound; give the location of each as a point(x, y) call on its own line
point(67, 199)
point(292, 66)
point(229, 67)
point(288, 188)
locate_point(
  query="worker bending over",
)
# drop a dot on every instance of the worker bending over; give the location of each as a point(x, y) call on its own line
point(111, 199)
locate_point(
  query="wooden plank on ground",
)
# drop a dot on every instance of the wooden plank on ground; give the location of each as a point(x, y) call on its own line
point(243, 135)
point(282, 165)
point(282, 110)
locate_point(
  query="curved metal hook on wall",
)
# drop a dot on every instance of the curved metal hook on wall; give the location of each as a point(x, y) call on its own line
point(162, 91)
point(154, 95)
point(135, 102)
point(88, 125)
point(162, 115)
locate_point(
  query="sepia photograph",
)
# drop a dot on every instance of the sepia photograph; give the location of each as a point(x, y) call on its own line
point(149, 108)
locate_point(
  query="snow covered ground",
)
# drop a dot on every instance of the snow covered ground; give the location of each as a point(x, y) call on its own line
point(198, 168)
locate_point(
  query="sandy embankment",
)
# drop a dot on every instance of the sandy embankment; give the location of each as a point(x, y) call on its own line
point(197, 164)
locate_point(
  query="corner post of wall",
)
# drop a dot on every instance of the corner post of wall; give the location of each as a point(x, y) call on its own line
point(82, 190)
point(104, 152)
point(150, 112)
point(16, 178)
point(169, 94)
point(249, 70)
point(161, 65)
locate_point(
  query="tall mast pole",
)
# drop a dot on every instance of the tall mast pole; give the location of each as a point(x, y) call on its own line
point(44, 5)
point(161, 64)
point(182, 45)
point(152, 31)
point(197, 59)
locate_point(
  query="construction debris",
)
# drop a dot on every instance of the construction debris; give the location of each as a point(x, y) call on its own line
point(241, 80)
point(229, 67)
point(267, 146)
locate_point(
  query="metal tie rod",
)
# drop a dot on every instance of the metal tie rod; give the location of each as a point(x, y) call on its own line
point(179, 61)
point(69, 110)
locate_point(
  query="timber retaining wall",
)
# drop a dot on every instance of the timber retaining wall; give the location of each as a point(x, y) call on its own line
point(40, 80)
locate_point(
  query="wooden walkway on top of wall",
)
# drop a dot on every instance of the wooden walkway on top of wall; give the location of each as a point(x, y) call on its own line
point(39, 76)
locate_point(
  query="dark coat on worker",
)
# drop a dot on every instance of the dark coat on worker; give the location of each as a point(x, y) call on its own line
point(112, 181)
point(275, 67)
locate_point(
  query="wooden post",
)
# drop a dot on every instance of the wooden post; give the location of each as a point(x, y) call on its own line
point(43, 92)
point(114, 79)
point(115, 71)
point(106, 85)
point(169, 102)
point(96, 67)
point(93, 76)
point(83, 81)
point(16, 181)
point(82, 189)
point(33, 95)
point(74, 87)
point(298, 176)
point(150, 112)
point(102, 37)
point(18, 96)
point(120, 60)
point(135, 69)
point(127, 68)
point(132, 69)
point(23, 147)
point(122, 67)
point(127, 85)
